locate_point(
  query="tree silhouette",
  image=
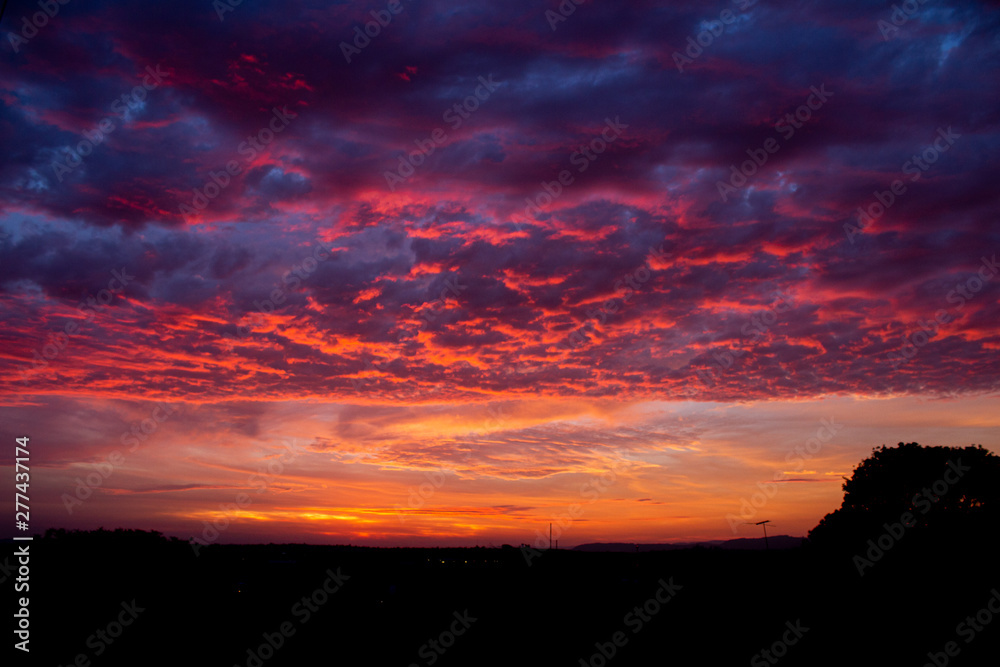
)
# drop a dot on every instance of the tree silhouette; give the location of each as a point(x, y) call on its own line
point(948, 491)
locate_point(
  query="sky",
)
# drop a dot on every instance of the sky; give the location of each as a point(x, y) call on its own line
point(444, 273)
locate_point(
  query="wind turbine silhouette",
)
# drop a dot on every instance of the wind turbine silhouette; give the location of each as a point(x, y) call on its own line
point(763, 524)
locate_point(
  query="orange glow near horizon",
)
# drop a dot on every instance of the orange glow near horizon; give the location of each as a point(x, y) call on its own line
point(479, 474)
point(463, 323)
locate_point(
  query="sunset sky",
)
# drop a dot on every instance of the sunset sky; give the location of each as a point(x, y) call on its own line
point(491, 265)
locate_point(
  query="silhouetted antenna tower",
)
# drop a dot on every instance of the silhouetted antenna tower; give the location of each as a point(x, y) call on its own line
point(763, 524)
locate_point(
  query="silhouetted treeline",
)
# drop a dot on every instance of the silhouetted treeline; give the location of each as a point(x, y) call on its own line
point(307, 605)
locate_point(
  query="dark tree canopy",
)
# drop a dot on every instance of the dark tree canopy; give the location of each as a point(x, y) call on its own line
point(946, 490)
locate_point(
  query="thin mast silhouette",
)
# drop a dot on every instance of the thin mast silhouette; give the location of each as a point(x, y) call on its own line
point(763, 524)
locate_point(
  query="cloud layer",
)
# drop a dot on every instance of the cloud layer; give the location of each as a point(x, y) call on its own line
point(485, 206)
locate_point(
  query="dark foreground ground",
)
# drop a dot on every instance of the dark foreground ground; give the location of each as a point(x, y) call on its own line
point(489, 607)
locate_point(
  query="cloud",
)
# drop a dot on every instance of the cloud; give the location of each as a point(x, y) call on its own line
point(527, 259)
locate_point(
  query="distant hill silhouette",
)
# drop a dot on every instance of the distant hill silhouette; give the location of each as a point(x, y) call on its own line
point(859, 594)
point(743, 543)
